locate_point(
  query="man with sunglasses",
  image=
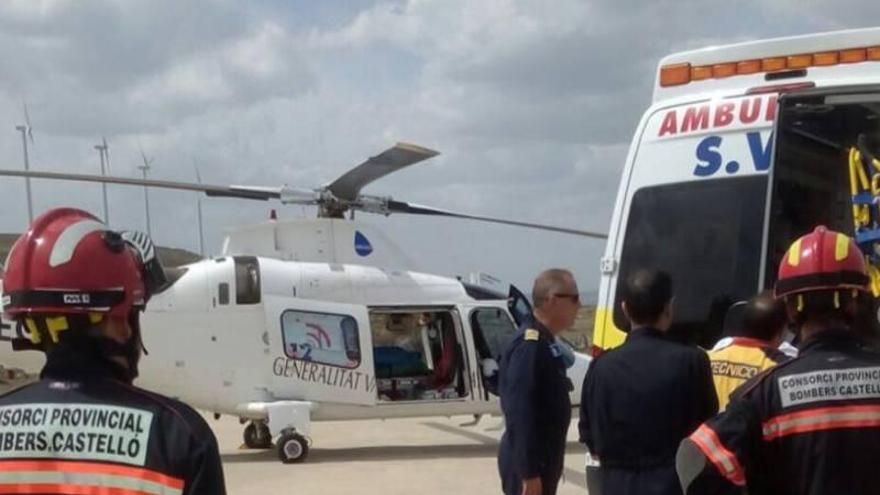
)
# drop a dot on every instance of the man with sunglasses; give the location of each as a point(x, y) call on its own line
point(641, 399)
point(534, 391)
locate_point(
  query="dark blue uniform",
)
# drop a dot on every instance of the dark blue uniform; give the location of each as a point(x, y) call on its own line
point(537, 410)
point(810, 426)
point(639, 401)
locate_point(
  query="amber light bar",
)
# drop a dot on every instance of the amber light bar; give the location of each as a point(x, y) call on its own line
point(684, 73)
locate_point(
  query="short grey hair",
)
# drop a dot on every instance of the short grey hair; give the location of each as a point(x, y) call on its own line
point(549, 282)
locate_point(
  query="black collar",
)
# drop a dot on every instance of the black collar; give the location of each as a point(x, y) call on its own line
point(831, 339)
point(81, 359)
point(643, 332)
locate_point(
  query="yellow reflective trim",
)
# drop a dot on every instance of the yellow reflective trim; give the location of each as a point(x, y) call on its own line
point(853, 175)
point(532, 334)
point(95, 318)
point(836, 300)
point(56, 325)
point(874, 274)
point(794, 253)
point(32, 330)
point(800, 303)
point(606, 335)
point(841, 247)
point(854, 182)
point(858, 182)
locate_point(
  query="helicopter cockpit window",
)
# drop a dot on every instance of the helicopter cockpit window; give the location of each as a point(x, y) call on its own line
point(247, 280)
point(321, 338)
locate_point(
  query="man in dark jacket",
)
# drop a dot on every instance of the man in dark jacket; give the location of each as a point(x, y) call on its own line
point(534, 391)
point(79, 288)
point(641, 399)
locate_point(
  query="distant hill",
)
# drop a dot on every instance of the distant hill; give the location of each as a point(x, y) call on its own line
point(176, 257)
point(589, 297)
point(581, 333)
point(6, 241)
point(170, 256)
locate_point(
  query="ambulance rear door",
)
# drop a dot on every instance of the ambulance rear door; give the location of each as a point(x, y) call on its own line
point(691, 202)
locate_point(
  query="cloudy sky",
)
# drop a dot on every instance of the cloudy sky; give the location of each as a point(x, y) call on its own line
point(532, 104)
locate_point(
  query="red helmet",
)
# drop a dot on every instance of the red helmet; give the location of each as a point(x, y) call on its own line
point(69, 262)
point(822, 260)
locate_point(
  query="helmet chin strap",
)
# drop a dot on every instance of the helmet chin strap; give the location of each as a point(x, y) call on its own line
point(134, 322)
point(134, 345)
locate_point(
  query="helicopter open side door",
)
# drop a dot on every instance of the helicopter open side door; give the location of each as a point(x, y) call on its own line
point(321, 351)
point(492, 327)
point(519, 306)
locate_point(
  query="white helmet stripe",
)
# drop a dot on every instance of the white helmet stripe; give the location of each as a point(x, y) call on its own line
point(66, 243)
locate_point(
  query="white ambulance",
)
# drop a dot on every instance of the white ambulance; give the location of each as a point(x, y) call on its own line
point(744, 148)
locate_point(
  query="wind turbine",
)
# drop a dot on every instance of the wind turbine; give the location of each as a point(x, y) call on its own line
point(199, 210)
point(104, 153)
point(27, 133)
point(146, 168)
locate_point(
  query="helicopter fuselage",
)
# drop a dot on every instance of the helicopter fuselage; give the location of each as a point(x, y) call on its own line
point(240, 335)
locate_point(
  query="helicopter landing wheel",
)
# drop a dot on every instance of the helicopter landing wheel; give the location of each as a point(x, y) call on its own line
point(292, 448)
point(257, 436)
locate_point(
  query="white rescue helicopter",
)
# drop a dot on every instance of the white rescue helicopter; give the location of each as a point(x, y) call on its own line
point(320, 319)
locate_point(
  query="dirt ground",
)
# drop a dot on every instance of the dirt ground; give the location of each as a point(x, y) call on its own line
point(422, 456)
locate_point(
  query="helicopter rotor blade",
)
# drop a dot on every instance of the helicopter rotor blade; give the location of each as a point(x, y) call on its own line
point(349, 185)
point(399, 156)
point(243, 192)
point(415, 209)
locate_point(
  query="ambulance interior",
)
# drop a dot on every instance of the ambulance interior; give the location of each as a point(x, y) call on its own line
point(811, 170)
point(811, 174)
point(417, 355)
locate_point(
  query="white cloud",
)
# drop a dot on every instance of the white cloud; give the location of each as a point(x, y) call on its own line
point(262, 65)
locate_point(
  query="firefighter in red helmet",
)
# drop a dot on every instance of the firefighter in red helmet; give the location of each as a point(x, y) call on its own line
point(810, 425)
point(79, 288)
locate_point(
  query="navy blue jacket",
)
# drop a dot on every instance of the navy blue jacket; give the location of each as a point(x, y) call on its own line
point(537, 409)
point(641, 399)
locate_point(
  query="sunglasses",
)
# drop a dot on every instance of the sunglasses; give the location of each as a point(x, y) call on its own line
point(575, 298)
